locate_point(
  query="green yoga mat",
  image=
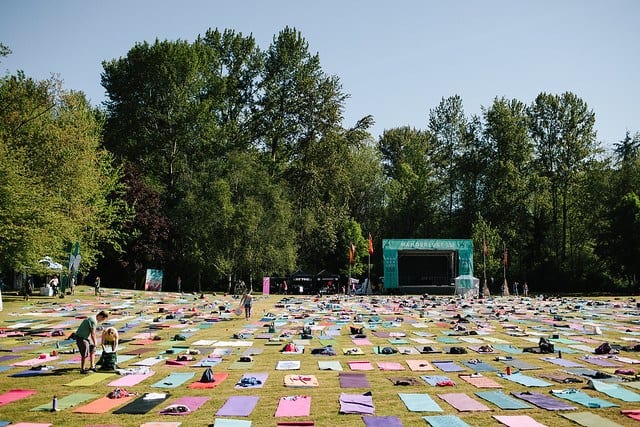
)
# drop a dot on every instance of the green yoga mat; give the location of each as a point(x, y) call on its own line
point(445, 421)
point(501, 400)
point(589, 419)
point(67, 401)
point(90, 380)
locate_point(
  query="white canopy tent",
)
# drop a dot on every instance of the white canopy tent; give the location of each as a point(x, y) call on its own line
point(467, 286)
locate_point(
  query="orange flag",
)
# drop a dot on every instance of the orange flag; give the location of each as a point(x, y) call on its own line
point(352, 254)
point(370, 244)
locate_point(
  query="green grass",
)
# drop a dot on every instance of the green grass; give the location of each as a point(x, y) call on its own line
point(324, 407)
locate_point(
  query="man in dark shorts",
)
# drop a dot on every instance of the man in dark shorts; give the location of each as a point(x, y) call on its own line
point(86, 340)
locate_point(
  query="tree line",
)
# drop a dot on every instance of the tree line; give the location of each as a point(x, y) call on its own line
point(216, 160)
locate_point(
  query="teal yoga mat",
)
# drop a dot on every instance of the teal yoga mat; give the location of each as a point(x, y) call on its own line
point(501, 400)
point(174, 380)
point(445, 421)
point(419, 402)
point(583, 398)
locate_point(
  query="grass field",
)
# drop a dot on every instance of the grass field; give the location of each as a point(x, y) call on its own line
point(140, 312)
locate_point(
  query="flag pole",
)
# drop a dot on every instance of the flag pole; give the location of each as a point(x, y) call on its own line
point(485, 288)
point(505, 285)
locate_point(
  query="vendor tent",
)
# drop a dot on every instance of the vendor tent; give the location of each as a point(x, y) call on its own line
point(467, 286)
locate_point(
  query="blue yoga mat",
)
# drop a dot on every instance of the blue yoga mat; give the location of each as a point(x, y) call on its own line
point(525, 380)
point(419, 402)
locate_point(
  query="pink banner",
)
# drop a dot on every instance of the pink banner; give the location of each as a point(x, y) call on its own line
point(265, 285)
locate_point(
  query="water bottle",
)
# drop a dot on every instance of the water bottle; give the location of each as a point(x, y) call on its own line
point(508, 370)
point(54, 404)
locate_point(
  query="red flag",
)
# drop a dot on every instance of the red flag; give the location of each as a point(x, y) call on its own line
point(485, 251)
point(370, 244)
point(352, 254)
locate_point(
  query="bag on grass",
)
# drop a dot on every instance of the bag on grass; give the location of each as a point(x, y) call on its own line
point(207, 376)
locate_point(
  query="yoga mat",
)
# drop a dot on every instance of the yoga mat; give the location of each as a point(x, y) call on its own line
point(605, 363)
point(102, 405)
point(130, 380)
point(462, 402)
point(228, 422)
point(520, 365)
point(420, 365)
point(67, 401)
point(15, 394)
point(207, 362)
point(390, 366)
point(294, 406)
point(174, 380)
point(238, 406)
point(566, 363)
point(218, 377)
point(31, 425)
point(507, 348)
point(353, 380)
point(615, 390)
point(360, 366)
point(560, 377)
point(582, 398)
point(445, 421)
point(300, 381)
point(356, 404)
point(419, 402)
point(295, 424)
point(388, 421)
point(143, 404)
point(448, 366)
point(405, 381)
point(525, 380)
point(329, 365)
point(36, 361)
point(249, 382)
point(544, 401)
point(434, 380)
point(90, 380)
point(191, 402)
point(161, 424)
point(149, 361)
point(480, 381)
point(501, 400)
point(518, 421)
point(288, 365)
point(479, 366)
point(589, 419)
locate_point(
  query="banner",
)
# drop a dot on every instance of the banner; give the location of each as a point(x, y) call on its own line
point(266, 284)
point(153, 281)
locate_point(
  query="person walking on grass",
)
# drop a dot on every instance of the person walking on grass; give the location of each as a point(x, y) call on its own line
point(246, 302)
point(86, 340)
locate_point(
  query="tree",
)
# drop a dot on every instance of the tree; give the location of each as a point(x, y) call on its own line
point(67, 186)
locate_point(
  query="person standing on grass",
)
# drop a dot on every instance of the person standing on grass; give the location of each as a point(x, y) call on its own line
point(86, 340)
point(96, 286)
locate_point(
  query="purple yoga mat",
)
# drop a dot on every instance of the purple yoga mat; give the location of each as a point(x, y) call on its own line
point(356, 404)
point(373, 421)
point(353, 380)
point(448, 366)
point(191, 402)
point(8, 357)
point(294, 406)
point(462, 402)
point(601, 362)
point(543, 401)
point(238, 406)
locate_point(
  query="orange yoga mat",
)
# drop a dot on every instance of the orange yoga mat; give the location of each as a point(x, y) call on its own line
point(102, 405)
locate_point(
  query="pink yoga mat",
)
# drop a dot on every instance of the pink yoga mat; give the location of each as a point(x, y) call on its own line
point(360, 366)
point(462, 402)
point(130, 380)
point(13, 395)
point(518, 421)
point(294, 406)
point(36, 361)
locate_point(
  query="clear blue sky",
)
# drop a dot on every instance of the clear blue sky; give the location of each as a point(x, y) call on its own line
point(396, 59)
